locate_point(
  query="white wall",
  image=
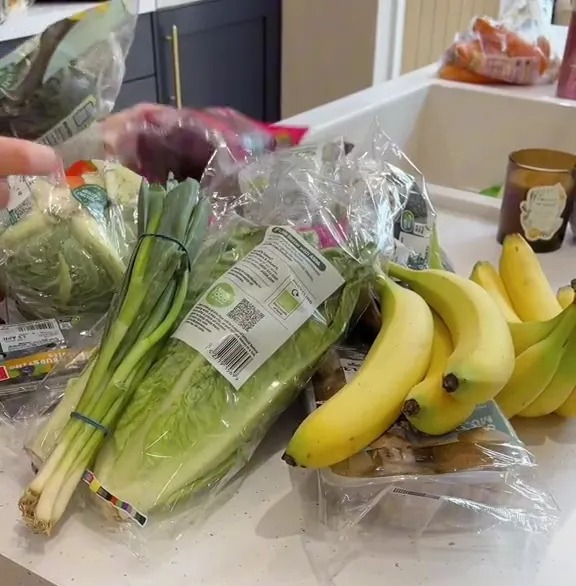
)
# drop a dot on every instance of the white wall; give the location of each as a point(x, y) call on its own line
point(328, 51)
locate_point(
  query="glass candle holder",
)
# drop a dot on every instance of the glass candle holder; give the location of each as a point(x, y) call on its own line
point(538, 197)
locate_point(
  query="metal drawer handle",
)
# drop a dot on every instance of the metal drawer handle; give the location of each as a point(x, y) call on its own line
point(176, 59)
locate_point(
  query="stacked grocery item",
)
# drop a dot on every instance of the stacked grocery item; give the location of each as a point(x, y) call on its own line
point(514, 49)
point(449, 344)
point(235, 291)
point(225, 268)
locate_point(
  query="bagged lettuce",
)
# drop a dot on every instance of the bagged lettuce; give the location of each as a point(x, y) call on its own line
point(64, 247)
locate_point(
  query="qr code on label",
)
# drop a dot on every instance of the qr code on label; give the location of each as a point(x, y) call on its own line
point(246, 315)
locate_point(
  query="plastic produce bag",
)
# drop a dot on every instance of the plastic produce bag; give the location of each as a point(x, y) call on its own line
point(514, 50)
point(410, 494)
point(31, 350)
point(59, 82)
point(274, 289)
point(155, 140)
point(64, 247)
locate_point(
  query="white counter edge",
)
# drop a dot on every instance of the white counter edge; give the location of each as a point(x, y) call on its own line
point(35, 19)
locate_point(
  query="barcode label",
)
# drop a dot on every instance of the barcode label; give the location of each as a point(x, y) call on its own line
point(79, 119)
point(232, 355)
point(35, 334)
point(38, 325)
point(425, 495)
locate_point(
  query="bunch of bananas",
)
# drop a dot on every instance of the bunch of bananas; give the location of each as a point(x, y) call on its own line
point(543, 328)
point(447, 344)
point(443, 348)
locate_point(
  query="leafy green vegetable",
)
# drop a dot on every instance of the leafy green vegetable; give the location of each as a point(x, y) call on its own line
point(67, 254)
point(187, 429)
point(144, 314)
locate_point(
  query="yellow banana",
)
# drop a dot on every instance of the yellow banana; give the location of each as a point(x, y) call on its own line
point(568, 408)
point(368, 405)
point(535, 368)
point(527, 286)
point(483, 357)
point(529, 333)
point(565, 295)
point(485, 275)
point(428, 407)
point(559, 388)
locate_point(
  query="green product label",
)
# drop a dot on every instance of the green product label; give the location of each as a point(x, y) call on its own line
point(407, 222)
point(488, 416)
point(288, 301)
point(9, 77)
point(222, 295)
point(94, 199)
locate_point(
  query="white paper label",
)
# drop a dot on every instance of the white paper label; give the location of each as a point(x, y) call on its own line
point(17, 337)
point(79, 119)
point(20, 202)
point(255, 307)
point(541, 213)
point(350, 366)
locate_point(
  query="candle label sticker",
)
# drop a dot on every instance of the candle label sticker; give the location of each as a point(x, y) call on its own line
point(541, 212)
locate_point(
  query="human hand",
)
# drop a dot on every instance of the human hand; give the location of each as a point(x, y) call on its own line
point(21, 157)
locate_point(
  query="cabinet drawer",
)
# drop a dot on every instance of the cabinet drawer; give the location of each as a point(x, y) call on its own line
point(9, 46)
point(135, 92)
point(140, 60)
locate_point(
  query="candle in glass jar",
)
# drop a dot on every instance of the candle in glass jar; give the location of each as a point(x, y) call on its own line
point(538, 197)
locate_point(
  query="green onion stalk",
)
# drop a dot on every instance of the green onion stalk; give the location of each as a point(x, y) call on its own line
point(172, 226)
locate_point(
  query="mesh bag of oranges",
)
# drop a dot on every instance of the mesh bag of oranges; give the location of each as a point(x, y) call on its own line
point(495, 52)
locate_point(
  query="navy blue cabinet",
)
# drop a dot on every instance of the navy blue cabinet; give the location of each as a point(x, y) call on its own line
point(221, 53)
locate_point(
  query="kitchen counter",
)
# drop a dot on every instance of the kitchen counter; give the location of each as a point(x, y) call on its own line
point(257, 537)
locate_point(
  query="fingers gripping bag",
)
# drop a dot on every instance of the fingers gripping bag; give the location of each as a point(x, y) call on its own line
point(514, 50)
point(66, 243)
point(269, 294)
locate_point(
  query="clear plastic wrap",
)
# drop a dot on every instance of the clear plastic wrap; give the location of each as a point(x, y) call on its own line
point(274, 288)
point(58, 83)
point(474, 490)
point(155, 140)
point(30, 350)
point(514, 50)
point(65, 244)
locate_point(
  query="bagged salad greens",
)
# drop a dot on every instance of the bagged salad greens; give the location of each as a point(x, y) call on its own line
point(58, 83)
point(64, 247)
point(273, 289)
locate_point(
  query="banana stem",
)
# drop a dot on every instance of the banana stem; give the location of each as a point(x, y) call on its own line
point(411, 408)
